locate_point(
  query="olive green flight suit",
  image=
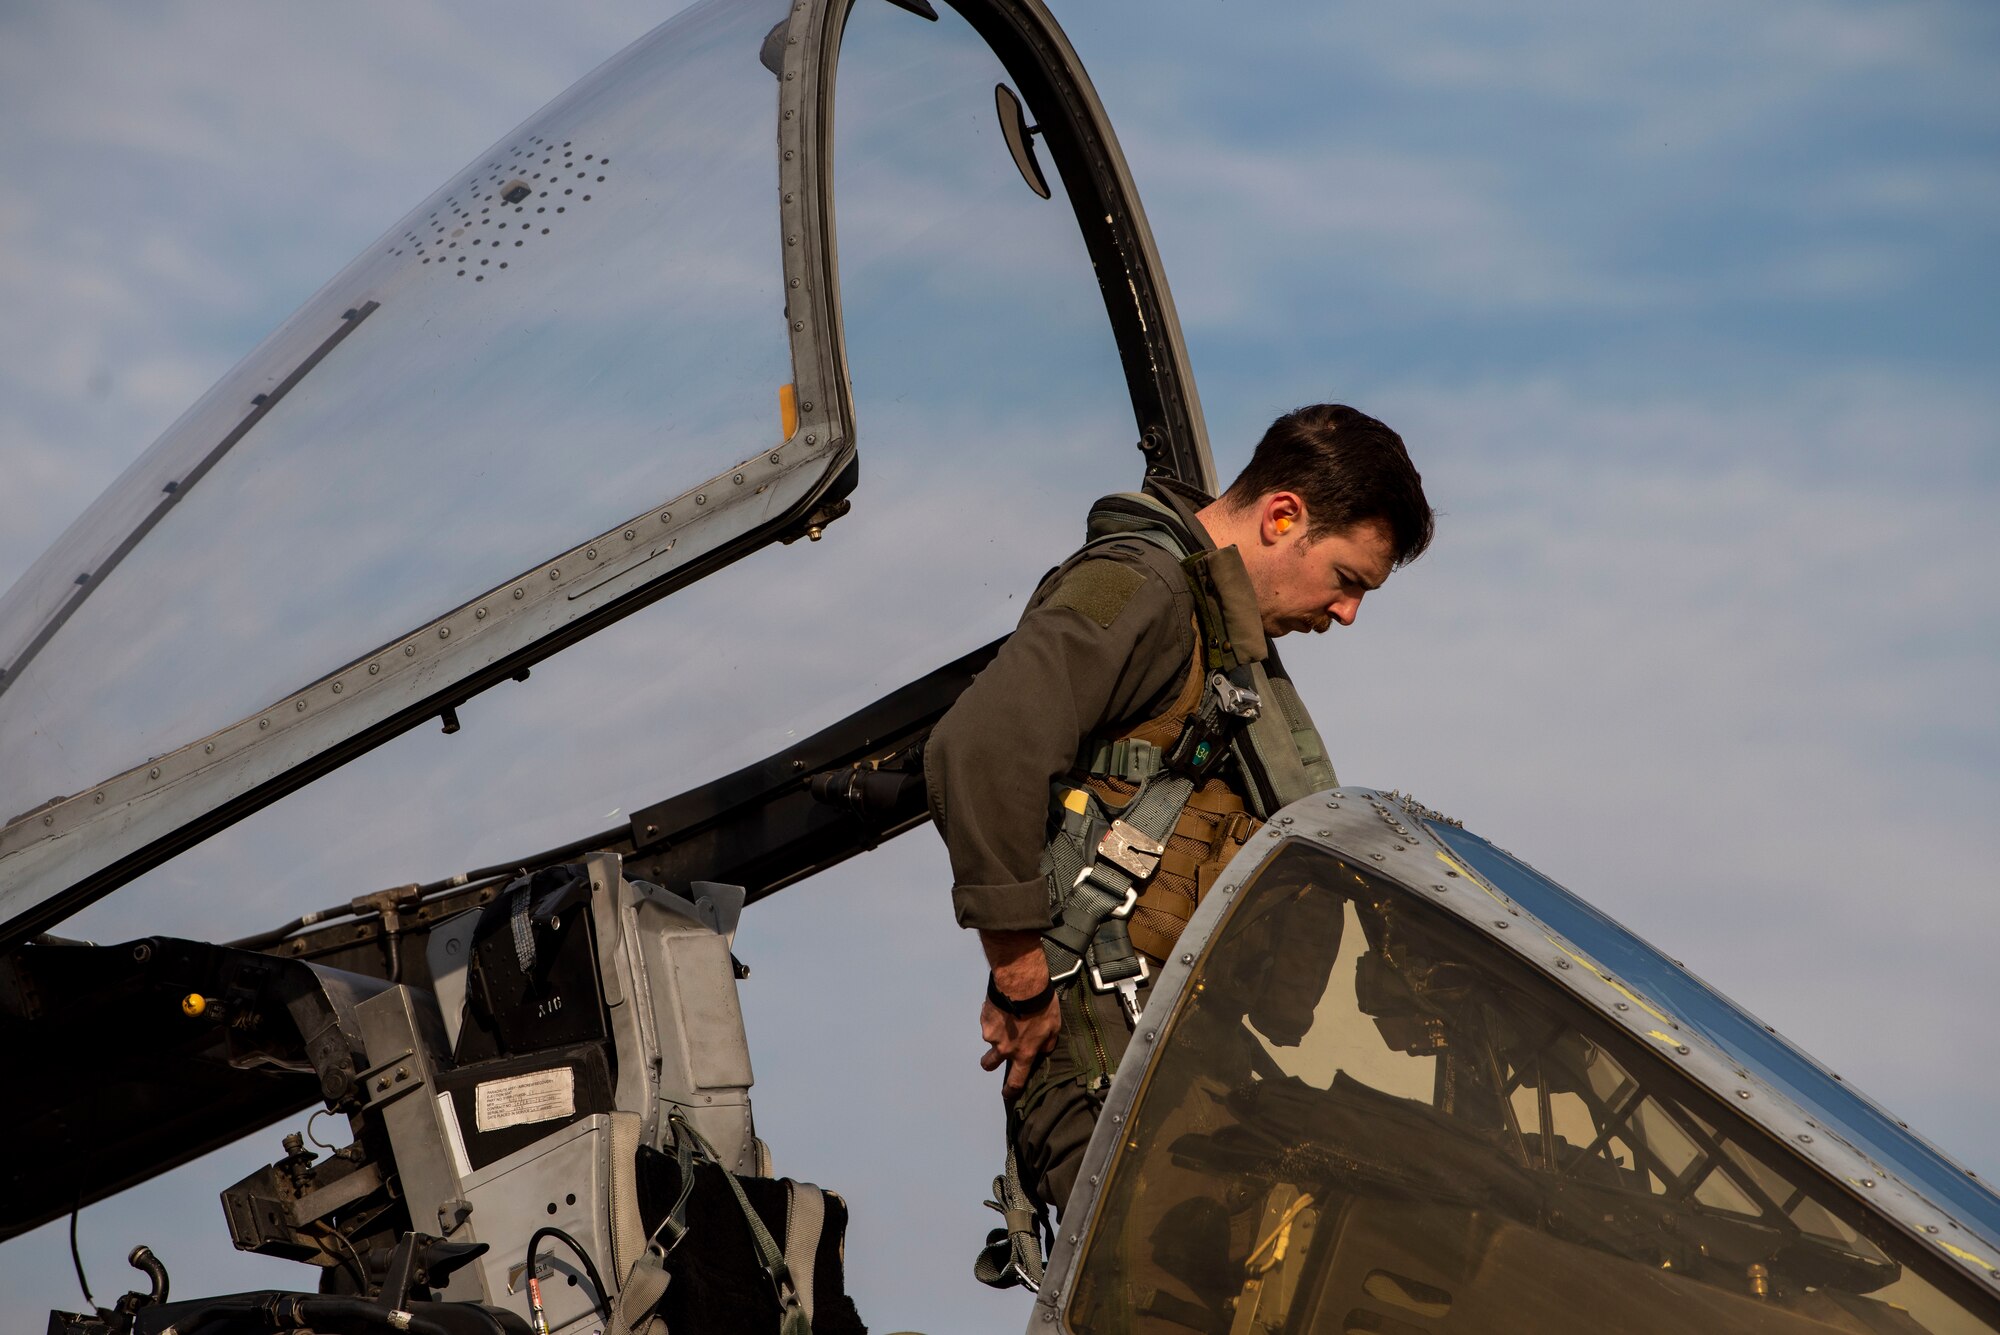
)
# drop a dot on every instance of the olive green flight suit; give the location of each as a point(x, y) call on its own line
point(1104, 645)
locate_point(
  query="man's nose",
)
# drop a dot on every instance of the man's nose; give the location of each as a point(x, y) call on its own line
point(1344, 610)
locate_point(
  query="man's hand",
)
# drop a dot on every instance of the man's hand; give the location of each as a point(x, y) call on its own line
point(1020, 970)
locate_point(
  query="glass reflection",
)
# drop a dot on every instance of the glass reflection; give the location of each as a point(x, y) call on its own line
point(1362, 1120)
point(586, 320)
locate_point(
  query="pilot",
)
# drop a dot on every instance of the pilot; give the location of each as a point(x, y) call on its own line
point(1133, 733)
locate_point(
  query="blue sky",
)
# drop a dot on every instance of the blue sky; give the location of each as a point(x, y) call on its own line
point(1688, 315)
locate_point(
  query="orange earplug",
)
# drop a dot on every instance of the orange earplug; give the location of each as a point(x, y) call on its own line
point(1284, 524)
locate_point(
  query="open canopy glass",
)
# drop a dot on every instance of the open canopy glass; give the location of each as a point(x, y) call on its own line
point(565, 342)
point(601, 363)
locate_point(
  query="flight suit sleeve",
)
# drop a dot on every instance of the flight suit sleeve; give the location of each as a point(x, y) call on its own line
point(1106, 641)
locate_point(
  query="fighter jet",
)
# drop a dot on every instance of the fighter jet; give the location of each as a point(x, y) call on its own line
point(1393, 1080)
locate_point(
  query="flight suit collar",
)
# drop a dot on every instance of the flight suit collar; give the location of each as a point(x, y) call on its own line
point(1242, 620)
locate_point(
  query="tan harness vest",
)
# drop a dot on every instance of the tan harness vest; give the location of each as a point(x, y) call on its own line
point(1213, 825)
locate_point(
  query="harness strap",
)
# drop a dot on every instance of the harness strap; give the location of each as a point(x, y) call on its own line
point(1132, 759)
point(805, 1218)
point(795, 1320)
point(639, 1298)
point(1095, 879)
point(1013, 1254)
point(642, 1275)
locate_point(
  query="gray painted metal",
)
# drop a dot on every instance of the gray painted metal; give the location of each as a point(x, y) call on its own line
point(403, 1033)
point(569, 1170)
point(1380, 829)
point(670, 986)
point(677, 1028)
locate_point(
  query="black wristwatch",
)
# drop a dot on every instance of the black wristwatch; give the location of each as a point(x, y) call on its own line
point(1026, 1006)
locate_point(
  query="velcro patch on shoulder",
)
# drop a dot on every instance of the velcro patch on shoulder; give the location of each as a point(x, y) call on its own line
point(1098, 589)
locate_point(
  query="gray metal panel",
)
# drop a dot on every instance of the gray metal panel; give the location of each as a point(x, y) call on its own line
point(698, 1046)
point(448, 952)
point(676, 1023)
point(402, 1030)
point(562, 1180)
point(1367, 825)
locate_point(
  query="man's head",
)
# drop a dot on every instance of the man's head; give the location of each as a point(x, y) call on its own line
point(1327, 507)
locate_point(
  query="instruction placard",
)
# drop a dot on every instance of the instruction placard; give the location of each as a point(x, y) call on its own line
point(516, 1100)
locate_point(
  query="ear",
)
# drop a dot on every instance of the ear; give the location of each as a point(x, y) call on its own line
point(1281, 516)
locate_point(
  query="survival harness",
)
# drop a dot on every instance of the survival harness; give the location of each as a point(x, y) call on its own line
point(1100, 857)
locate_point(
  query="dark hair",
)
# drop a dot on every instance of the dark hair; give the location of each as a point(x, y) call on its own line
point(1349, 469)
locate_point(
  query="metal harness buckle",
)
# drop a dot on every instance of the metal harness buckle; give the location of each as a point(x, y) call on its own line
point(1124, 910)
point(1125, 846)
point(1123, 984)
point(1236, 701)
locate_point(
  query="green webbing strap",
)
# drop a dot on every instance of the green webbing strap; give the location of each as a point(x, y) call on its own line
point(795, 1320)
point(1090, 922)
point(1132, 759)
point(645, 1284)
point(805, 1220)
point(1013, 1254)
point(1287, 748)
point(640, 1265)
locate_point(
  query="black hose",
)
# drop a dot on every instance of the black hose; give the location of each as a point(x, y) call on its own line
point(353, 1316)
point(548, 856)
point(589, 1268)
point(476, 877)
point(142, 1258)
point(304, 1311)
point(277, 934)
point(76, 1258)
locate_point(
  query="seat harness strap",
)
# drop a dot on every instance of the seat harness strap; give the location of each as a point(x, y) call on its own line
point(1098, 861)
point(1013, 1254)
point(795, 1318)
point(805, 1220)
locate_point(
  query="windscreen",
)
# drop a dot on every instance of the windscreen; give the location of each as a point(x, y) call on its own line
point(583, 323)
point(1808, 1084)
point(1360, 1119)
